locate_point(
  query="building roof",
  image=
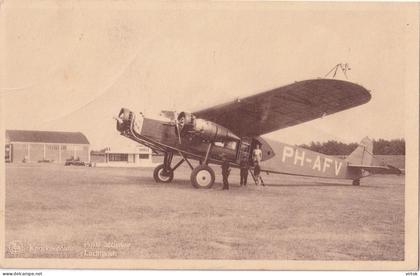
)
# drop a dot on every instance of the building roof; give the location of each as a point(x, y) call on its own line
point(35, 136)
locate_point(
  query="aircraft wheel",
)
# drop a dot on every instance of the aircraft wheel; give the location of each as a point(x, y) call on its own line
point(202, 177)
point(160, 176)
point(356, 182)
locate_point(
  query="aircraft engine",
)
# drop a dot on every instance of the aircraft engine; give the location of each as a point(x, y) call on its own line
point(207, 130)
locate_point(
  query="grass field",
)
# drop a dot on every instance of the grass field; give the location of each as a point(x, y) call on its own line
point(80, 212)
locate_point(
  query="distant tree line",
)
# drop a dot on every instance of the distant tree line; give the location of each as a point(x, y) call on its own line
point(380, 147)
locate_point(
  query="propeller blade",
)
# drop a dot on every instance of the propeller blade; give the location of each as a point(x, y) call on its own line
point(178, 131)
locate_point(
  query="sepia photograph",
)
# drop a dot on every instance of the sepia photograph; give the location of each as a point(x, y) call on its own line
point(209, 135)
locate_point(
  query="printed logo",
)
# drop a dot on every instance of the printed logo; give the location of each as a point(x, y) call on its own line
point(15, 247)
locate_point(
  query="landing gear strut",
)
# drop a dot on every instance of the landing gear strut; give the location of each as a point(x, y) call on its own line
point(202, 176)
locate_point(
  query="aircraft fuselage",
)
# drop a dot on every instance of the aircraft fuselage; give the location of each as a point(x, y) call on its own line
point(299, 161)
point(277, 157)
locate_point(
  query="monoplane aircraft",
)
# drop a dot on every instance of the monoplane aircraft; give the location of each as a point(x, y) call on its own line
point(232, 130)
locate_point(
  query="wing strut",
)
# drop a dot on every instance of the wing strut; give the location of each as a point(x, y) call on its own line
point(208, 153)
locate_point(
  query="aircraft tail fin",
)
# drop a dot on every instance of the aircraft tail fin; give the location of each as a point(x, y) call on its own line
point(363, 154)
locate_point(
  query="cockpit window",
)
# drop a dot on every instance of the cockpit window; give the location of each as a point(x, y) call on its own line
point(227, 145)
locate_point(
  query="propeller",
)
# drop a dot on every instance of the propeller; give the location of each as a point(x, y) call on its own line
point(178, 131)
point(173, 116)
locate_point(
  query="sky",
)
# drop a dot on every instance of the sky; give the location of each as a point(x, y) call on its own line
point(71, 66)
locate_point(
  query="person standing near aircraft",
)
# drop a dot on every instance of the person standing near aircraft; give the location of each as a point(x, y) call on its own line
point(244, 171)
point(257, 171)
point(257, 157)
point(225, 174)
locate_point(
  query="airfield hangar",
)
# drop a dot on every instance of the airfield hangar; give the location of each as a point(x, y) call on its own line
point(45, 146)
point(128, 155)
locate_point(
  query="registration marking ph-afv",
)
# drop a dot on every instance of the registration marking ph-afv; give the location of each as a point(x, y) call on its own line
point(321, 163)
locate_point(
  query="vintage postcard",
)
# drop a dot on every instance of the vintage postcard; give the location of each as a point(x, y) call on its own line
point(209, 135)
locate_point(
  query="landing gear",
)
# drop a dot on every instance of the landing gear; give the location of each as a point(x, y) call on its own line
point(202, 177)
point(356, 182)
point(163, 172)
point(160, 175)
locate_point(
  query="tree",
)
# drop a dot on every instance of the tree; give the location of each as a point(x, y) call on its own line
point(380, 147)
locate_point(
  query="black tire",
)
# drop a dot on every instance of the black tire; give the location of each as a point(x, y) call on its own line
point(202, 177)
point(159, 177)
point(356, 182)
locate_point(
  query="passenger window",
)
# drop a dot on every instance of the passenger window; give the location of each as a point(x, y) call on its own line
point(231, 145)
point(219, 144)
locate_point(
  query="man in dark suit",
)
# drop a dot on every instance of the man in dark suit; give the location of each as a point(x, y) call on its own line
point(244, 171)
point(225, 174)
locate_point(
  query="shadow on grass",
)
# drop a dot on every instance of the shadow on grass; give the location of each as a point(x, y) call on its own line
point(322, 184)
point(147, 181)
point(186, 184)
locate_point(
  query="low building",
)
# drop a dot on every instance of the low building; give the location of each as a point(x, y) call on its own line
point(123, 156)
point(47, 146)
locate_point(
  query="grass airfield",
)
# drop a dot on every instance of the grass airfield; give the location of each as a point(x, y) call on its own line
point(53, 211)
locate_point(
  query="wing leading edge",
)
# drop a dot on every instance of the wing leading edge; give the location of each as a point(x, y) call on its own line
point(286, 106)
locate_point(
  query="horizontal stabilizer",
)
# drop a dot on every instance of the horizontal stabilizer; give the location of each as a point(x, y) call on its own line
point(388, 169)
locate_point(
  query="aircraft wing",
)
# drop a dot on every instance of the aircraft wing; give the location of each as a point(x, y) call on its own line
point(286, 106)
point(388, 169)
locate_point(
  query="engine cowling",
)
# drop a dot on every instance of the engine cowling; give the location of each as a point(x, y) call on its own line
point(204, 129)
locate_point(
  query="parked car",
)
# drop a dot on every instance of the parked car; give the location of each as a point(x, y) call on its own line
point(45, 161)
point(74, 162)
